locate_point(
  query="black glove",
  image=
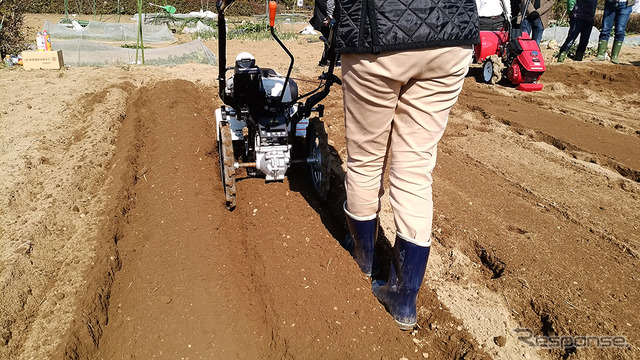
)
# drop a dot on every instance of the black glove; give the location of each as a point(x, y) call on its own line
point(533, 16)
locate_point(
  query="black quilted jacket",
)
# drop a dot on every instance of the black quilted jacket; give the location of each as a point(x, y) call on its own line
point(375, 26)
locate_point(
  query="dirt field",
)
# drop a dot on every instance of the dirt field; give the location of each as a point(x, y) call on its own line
point(115, 242)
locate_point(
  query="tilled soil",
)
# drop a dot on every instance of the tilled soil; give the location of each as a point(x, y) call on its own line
point(116, 242)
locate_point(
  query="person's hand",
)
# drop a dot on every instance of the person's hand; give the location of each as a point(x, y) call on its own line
point(533, 16)
point(327, 20)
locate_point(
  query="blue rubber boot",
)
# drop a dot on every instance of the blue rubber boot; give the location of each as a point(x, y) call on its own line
point(400, 293)
point(361, 240)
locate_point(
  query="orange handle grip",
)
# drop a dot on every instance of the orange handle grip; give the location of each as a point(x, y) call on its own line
point(272, 13)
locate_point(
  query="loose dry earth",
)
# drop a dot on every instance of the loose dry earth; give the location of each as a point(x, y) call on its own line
point(115, 242)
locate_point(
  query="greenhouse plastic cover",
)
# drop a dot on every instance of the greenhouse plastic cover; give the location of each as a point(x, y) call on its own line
point(81, 52)
point(119, 32)
point(150, 17)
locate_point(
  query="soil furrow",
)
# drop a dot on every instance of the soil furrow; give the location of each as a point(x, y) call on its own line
point(535, 227)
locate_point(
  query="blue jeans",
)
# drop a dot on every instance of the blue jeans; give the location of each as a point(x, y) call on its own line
point(615, 14)
point(578, 27)
point(534, 29)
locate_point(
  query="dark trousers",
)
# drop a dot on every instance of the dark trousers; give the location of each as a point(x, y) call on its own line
point(494, 23)
point(578, 27)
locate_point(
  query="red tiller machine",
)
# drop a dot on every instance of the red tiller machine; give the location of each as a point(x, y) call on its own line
point(512, 53)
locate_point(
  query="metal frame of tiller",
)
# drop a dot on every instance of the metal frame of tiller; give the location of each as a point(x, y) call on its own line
point(264, 126)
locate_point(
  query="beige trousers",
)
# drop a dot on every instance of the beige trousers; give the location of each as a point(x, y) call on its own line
point(398, 102)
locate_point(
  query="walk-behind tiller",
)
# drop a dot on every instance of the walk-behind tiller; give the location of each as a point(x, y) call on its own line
point(521, 54)
point(263, 125)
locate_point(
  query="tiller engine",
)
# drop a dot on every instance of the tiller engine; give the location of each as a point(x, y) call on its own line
point(512, 53)
point(263, 125)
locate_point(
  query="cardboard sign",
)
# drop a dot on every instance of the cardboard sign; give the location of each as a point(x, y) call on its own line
point(50, 60)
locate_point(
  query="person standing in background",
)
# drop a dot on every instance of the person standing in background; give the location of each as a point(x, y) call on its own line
point(616, 12)
point(536, 17)
point(493, 14)
point(581, 13)
point(403, 66)
point(322, 14)
point(515, 11)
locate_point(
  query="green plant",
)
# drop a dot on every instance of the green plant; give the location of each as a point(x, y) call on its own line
point(563, 22)
point(257, 31)
point(205, 35)
point(252, 28)
point(132, 46)
point(12, 33)
point(192, 21)
point(559, 11)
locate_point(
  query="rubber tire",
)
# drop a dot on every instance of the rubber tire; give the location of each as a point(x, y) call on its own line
point(487, 71)
point(317, 147)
